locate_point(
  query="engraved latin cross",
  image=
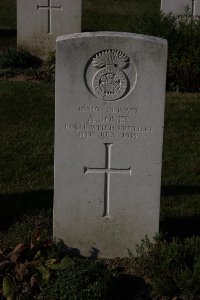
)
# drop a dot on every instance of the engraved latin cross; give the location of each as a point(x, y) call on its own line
point(107, 171)
point(193, 8)
point(49, 7)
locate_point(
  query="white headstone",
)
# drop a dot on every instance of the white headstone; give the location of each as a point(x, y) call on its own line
point(110, 93)
point(197, 8)
point(39, 22)
point(177, 7)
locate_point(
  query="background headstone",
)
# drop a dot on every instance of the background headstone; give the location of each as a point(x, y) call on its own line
point(197, 8)
point(39, 22)
point(176, 7)
point(110, 91)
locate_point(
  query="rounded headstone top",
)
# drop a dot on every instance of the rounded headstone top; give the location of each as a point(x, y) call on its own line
point(110, 34)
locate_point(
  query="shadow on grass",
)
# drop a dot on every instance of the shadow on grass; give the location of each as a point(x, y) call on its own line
point(8, 33)
point(185, 225)
point(129, 287)
point(14, 206)
point(8, 39)
point(182, 227)
point(180, 190)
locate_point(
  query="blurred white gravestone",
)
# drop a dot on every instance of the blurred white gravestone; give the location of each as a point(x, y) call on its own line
point(110, 94)
point(39, 22)
point(178, 7)
point(197, 8)
point(175, 6)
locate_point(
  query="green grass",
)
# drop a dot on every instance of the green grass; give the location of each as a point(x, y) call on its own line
point(27, 113)
point(26, 149)
point(114, 15)
point(181, 140)
point(180, 205)
point(8, 14)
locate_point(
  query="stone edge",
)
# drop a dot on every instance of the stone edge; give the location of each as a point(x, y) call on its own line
point(151, 39)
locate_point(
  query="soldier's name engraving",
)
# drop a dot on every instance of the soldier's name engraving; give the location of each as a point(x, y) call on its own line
point(108, 119)
point(108, 122)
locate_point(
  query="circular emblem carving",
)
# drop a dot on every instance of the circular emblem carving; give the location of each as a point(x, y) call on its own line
point(110, 83)
point(110, 75)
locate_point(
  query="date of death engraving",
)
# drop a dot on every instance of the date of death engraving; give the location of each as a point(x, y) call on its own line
point(107, 122)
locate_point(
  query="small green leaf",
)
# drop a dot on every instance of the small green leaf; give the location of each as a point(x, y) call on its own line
point(8, 288)
point(65, 263)
point(46, 274)
point(37, 255)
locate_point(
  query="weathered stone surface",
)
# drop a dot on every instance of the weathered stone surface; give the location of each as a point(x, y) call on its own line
point(39, 22)
point(110, 92)
point(177, 7)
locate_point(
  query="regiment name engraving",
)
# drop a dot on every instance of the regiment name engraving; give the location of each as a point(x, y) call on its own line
point(108, 122)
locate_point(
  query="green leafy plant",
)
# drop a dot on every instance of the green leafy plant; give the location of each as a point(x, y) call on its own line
point(41, 269)
point(171, 269)
point(47, 71)
point(78, 279)
point(21, 231)
point(183, 36)
point(7, 73)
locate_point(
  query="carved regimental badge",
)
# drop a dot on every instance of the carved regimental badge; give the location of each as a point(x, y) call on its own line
point(108, 75)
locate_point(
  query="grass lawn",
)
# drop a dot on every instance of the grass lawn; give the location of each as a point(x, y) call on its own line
point(26, 134)
point(114, 15)
point(26, 173)
point(8, 13)
point(180, 202)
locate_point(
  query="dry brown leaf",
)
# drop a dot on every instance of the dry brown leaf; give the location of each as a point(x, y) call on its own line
point(17, 252)
point(36, 237)
point(2, 258)
point(25, 287)
point(4, 264)
point(21, 271)
point(34, 280)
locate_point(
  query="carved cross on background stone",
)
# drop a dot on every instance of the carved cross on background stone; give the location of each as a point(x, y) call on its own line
point(107, 171)
point(193, 7)
point(49, 7)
